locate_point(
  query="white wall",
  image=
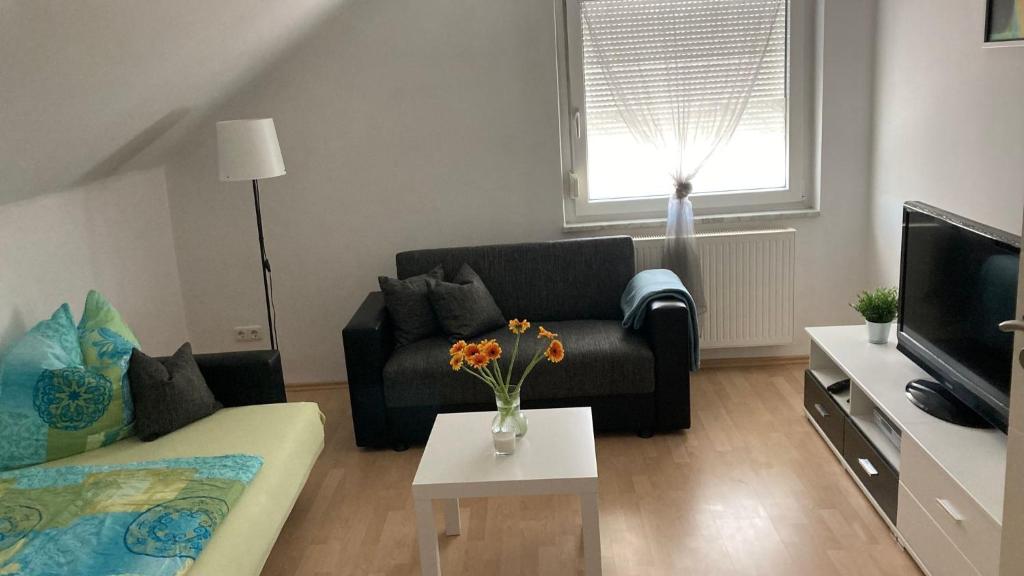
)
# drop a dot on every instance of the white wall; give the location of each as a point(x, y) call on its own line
point(406, 125)
point(114, 236)
point(91, 87)
point(948, 121)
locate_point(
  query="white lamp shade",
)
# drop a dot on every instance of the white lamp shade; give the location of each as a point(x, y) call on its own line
point(248, 150)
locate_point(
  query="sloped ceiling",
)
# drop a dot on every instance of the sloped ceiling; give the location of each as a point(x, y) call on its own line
point(92, 87)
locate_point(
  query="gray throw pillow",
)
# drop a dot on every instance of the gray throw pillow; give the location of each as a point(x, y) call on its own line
point(168, 394)
point(408, 303)
point(465, 306)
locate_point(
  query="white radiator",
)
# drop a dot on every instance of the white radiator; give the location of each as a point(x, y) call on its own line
point(748, 284)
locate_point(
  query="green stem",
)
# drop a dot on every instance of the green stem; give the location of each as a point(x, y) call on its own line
point(529, 368)
point(515, 352)
point(497, 374)
point(506, 407)
point(505, 412)
point(482, 379)
point(497, 379)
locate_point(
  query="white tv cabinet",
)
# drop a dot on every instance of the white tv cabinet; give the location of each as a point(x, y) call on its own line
point(940, 486)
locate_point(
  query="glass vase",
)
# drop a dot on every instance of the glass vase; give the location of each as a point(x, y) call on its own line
point(508, 425)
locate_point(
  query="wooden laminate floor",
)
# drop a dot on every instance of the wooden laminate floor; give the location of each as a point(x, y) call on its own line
point(749, 489)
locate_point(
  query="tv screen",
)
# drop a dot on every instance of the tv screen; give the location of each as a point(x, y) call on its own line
point(958, 282)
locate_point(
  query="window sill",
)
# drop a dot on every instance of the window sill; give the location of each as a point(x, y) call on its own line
point(707, 219)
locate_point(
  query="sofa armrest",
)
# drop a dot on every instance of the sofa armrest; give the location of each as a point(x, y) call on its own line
point(667, 330)
point(244, 378)
point(368, 344)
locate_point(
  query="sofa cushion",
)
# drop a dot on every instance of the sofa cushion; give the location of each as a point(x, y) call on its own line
point(168, 394)
point(107, 343)
point(602, 359)
point(408, 303)
point(63, 390)
point(564, 280)
point(464, 306)
point(38, 371)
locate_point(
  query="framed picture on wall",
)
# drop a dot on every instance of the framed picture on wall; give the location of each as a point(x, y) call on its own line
point(1004, 21)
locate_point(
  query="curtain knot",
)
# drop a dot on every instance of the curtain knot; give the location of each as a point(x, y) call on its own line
point(683, 189)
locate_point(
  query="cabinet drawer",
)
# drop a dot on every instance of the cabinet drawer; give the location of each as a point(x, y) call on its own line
point(967, 525)
point(873, 471)
point(924, 538)
point(824, 410)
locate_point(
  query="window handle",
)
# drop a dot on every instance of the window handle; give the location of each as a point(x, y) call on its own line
point(578, 121)
point(574, 186)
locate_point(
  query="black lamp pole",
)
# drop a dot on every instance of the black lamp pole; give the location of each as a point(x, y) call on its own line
point(264, 265)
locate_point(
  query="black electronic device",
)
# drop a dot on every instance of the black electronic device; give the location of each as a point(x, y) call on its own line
point(958, 282)
point(839, 387)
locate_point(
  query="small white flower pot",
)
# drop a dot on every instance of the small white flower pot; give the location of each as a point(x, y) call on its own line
point(878, 332)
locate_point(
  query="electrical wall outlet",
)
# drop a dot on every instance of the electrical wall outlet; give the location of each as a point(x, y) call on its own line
point(248, 333)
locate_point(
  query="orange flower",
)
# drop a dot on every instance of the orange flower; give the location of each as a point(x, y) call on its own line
point(471, 350)
point(457, 348)
point(518, 326)
point(491, 349)
point(544, 333)
point(555, 352)
point(456, 362)
point(478, 360)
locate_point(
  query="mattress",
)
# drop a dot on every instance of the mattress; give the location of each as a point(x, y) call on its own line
point(289, 438)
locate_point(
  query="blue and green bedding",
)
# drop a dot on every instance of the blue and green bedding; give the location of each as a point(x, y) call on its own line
point(150, 518)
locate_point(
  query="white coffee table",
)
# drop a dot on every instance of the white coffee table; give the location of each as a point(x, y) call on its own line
point(557, 456)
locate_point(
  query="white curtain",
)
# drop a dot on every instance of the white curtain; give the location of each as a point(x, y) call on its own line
point(680, 87)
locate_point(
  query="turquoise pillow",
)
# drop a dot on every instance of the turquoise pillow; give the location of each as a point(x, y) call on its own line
point(48, 351)
point(107, 344)
point(64, 389)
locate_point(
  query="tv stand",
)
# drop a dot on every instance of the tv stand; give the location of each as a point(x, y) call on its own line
point(938, 486)
point(936, 400)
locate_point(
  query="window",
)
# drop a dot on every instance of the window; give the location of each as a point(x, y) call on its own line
point(652, 55)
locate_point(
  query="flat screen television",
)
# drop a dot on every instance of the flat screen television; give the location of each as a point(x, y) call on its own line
point(958, 281)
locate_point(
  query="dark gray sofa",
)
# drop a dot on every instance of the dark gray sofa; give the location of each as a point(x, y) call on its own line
point(635, 381)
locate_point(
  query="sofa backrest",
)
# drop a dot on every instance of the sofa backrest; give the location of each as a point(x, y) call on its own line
point(563, 280)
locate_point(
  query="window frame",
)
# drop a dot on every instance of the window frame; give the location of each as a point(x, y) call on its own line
point(798, 194)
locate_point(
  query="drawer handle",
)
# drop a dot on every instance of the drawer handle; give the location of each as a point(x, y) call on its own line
point(822, 411)
point(867, 466)
point(950, 509)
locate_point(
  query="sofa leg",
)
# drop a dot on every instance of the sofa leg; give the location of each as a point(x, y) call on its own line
point(399, 446)
point(645, 433)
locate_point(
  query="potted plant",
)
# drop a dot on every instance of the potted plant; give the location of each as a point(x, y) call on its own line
point(481, 361)
point(879, 308)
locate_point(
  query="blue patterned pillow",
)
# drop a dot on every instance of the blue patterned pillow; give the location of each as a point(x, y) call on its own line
point(64, 390)
point(107, 343)
point(42, 373)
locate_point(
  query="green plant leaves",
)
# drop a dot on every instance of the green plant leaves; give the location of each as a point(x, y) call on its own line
point(880, 305)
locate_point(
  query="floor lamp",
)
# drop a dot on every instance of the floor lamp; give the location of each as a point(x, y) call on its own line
point(248, 150)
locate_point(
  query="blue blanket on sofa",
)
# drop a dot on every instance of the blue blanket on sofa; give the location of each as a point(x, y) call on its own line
point(650, 285)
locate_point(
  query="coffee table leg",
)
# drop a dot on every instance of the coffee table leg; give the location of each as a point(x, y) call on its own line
point(430, 560)
point(591, 534)
point(452, 524)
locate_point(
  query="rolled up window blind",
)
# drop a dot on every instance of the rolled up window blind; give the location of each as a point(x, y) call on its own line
point(696, 50)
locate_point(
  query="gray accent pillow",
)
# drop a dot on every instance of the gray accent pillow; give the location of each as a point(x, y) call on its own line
point(465, 306)
point(168, 394)
point(408, 303)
